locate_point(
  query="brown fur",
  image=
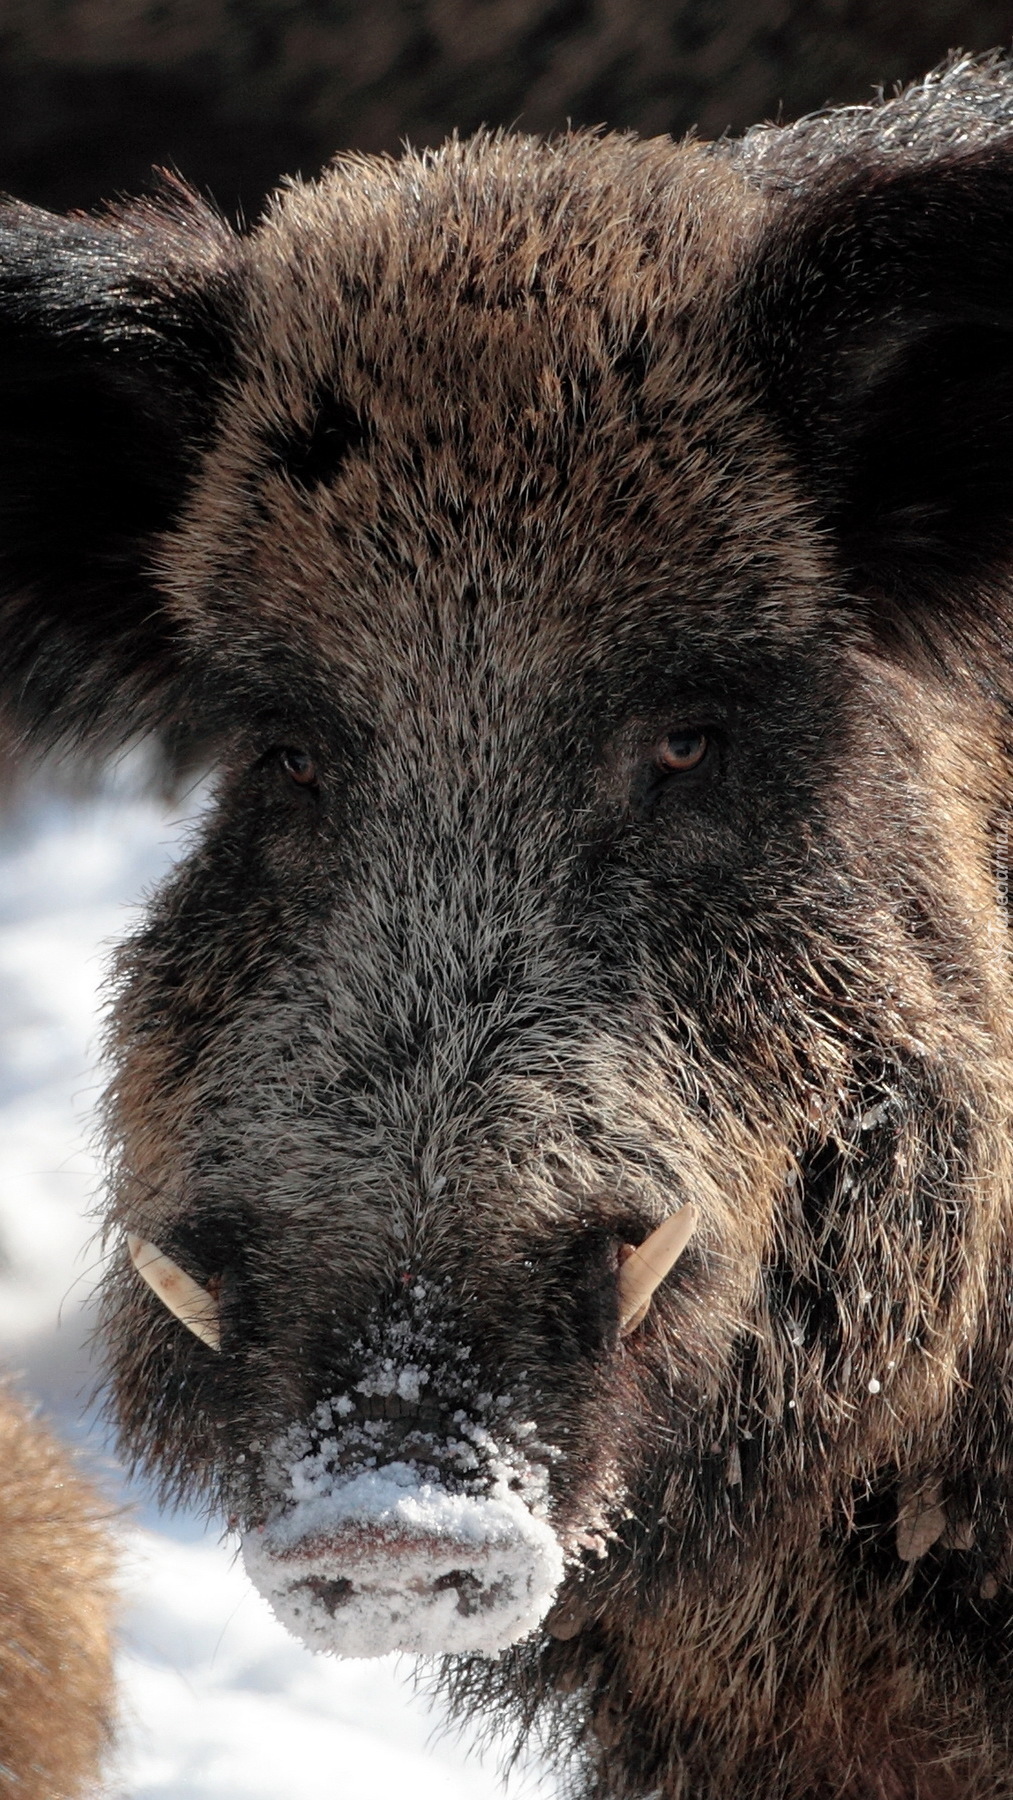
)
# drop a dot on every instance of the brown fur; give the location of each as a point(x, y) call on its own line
point(471, 477)
point(55, 1604)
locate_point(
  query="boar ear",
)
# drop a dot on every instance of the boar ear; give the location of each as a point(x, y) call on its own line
point(883, 305)
point(115, 332)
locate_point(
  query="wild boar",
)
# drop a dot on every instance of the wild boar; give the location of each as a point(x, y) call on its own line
point(56, 1566)
point(587, 566)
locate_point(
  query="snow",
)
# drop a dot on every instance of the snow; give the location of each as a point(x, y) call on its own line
point(218, 1701)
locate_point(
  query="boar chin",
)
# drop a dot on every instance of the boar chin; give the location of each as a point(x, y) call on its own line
point(390, 1561)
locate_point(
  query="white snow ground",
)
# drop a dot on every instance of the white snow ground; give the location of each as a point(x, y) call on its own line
point(218, 1702)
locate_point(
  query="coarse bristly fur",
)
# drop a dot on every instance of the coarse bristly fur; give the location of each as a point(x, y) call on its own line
point(56, 1570)
point(444, 507)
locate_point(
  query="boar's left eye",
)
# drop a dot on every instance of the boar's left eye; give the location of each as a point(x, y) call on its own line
point(298, 766)
point(680, 751)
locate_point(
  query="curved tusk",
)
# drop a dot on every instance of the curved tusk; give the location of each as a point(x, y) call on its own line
point(191, 1304)
point(642, 1268)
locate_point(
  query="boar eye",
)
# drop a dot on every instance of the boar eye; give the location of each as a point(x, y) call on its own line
point(298, 766)
point(679, 751)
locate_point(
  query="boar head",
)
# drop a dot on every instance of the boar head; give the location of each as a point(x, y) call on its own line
point(586, 566)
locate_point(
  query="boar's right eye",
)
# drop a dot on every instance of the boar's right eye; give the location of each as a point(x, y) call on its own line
point(680, 752)
point(298, 766)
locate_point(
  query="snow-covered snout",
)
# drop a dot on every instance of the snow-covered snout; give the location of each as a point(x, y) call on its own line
point(410, 1533)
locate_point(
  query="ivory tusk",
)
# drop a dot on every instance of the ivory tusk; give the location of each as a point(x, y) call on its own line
point(191, 1304)
point(643, 1267)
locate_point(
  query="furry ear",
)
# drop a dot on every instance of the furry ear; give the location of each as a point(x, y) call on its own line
point(115, 332)
point(882, 311)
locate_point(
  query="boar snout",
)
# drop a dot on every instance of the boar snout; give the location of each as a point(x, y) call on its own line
point(385, 1534)
point(430, 1571)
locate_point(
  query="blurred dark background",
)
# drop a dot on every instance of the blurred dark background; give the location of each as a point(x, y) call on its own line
point(235, 93)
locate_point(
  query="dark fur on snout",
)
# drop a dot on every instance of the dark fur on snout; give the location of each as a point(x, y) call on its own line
point(56, 1569)
point(449, 509)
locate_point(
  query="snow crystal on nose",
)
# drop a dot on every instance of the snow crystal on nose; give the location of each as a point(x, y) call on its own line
point(385, 1559)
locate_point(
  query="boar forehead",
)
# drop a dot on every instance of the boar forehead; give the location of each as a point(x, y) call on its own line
point(510, 371)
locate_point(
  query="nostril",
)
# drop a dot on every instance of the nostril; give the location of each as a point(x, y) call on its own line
point(471, 1592)
point(329, 1593)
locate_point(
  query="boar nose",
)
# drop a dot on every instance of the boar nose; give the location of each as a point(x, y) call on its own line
point(408, 1567)
point(396, 1541)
